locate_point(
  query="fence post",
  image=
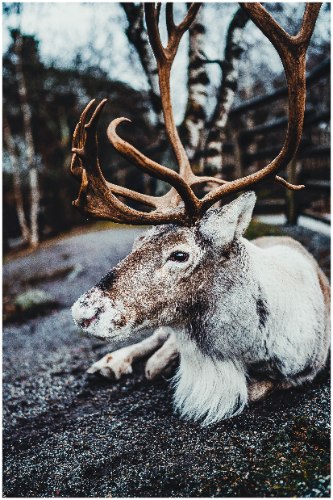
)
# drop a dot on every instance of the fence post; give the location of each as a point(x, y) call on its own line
point(238, 157)
point(292, 205)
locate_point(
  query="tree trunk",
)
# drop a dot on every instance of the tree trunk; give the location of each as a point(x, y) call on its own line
point(198, 82)
point(30, 149)
point(11, 149)
point(137, 36)
point(230, 67)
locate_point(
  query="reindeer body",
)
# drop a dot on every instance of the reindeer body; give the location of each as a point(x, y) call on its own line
point(245, 317)
point(279, 335)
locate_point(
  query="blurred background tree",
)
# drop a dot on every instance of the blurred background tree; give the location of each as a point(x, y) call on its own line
point(224, 62)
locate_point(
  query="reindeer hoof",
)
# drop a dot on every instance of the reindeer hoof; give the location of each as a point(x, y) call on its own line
point(260, 390)
point(113, 365)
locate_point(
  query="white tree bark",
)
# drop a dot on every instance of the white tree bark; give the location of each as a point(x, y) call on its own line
point(230, 67)
point(137, 36)
point(198, 82)
point(30, 149)
point(14, 159)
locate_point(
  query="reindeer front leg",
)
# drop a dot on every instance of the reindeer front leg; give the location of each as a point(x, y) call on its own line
point(118, 363)
point(162, 359)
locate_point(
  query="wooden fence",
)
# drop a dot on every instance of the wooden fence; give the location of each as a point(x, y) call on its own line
point(254, 145)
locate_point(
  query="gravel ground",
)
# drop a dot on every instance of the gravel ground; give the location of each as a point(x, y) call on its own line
point(69, 435)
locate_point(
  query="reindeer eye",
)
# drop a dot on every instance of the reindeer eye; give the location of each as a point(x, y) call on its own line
point(179, 256)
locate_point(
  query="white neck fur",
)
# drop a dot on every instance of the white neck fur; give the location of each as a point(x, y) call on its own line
point(207, 389)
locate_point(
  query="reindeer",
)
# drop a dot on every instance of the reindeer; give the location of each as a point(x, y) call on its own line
point(244, 317)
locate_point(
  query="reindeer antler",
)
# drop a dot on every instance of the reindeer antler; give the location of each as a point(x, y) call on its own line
point(98, 198)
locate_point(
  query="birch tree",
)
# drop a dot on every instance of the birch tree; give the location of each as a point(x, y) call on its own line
point(225, 97)
point(28, 139)
point(198, 88)
point(203, 136)
point(18, 195)
point(137, 37)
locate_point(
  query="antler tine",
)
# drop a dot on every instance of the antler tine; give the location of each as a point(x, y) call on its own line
point(152, 168)
point(92, 124)
point(97, 196)
point(77, 136)
point(190, 16)
point(292, 52)
point(181, 182)
point(176, 31)
point(84, 143)
point(78, 140)
point(169, 18)
point(158, 11)
point(75, 169)
point(152, 14)
point(308, 23)
point(86, 111)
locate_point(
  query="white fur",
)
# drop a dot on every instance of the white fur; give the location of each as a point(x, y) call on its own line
point(223, 224)
point(294, 295)
point(108, 313)
point(114, 364)
point(162, 358)
point(207, 389)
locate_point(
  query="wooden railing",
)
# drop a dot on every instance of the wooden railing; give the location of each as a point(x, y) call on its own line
point(253, 145)
point(322, 70)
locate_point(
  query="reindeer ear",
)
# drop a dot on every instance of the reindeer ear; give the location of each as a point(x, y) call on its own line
point(244, 206)
point(222, 225)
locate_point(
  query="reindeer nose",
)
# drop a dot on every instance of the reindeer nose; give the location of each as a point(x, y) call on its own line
point(87, 309)
point(84, 323)
point(84, 317)
point(96, 313)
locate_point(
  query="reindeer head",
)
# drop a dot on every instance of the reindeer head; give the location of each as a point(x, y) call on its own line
point(167, 275)
point(159, 283)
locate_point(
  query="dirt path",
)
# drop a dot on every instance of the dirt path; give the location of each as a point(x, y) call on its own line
point(68, 435)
